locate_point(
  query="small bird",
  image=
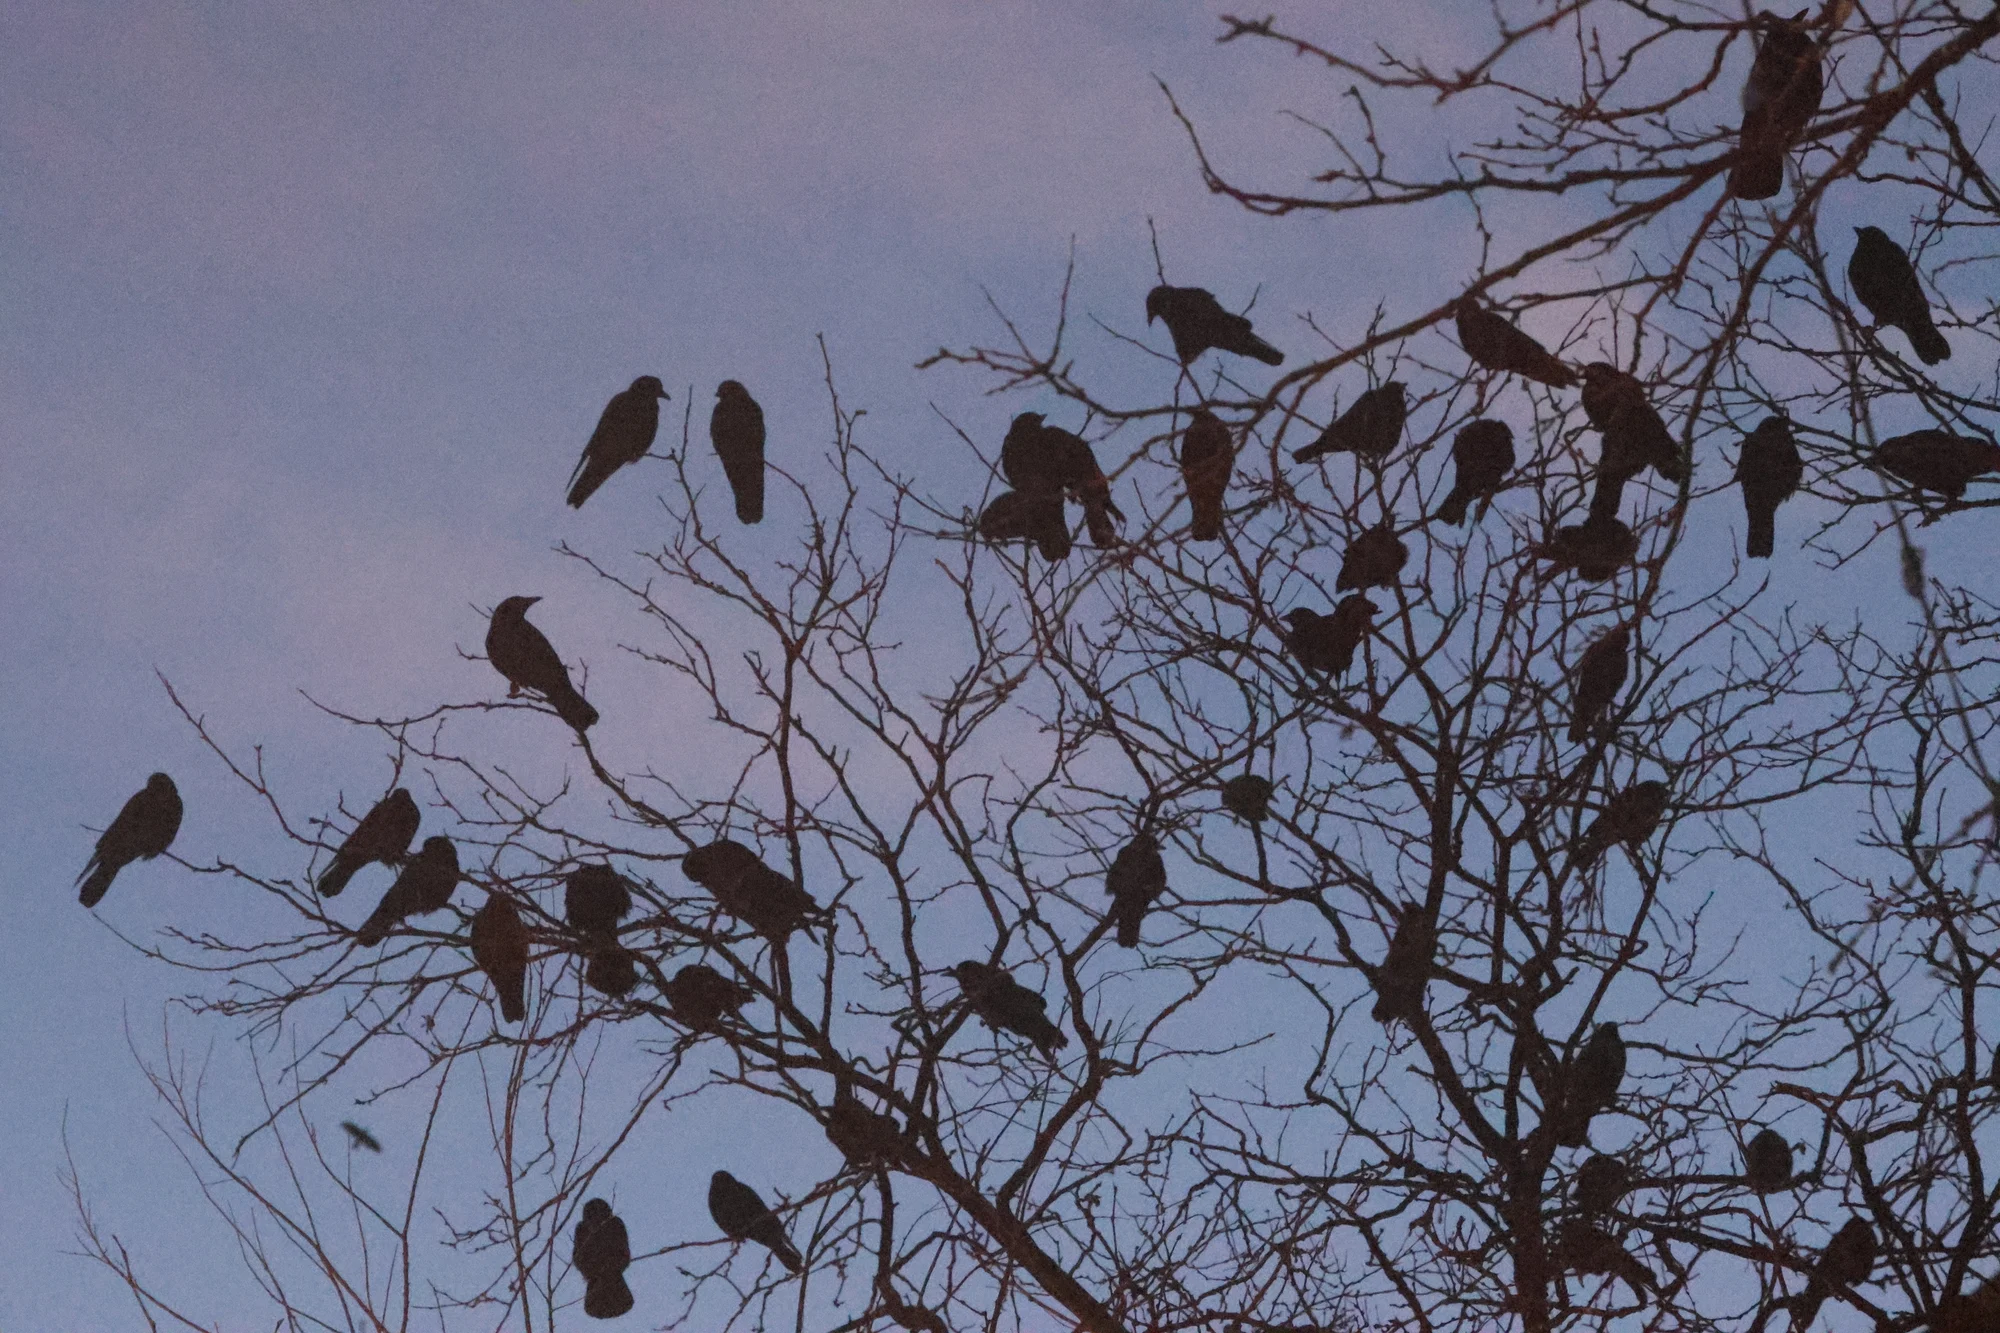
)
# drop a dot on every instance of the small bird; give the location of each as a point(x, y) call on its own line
point(360, 1138)
point(145, 827)
point(1846, 1262)
point(736, 429)
point(1039, 460)
point(1406, 970)
point(1780, 97)
point(700, 996)
point(1769, 471)
point(425, 885)
point(1494, 343)
point(1196, 321)
point(1136, 878)
point(1373, 560)
point(743, 1216)
point(1484, 452)
point(1591, 1087)
point(1629, 817)
point(1327, 643)
point(1938, 461)
point(611, 969)
point(384, 834)
point(1207, 457)
point(1588, 1248)
point(529, 662)
point(1368, 429)
point(1600, 674)
point(623, 435)
point(1634, 435)
point(1595, 549)
point(1248, 797)
point(500, 949)
point(1035, 516)
point(866, 1138)
point(1767, 1162)
point(602, 1252)
point(1004, 1004)
point(595, 899)
point(747, 889)
point(1884, 280)
point(1599, 1184)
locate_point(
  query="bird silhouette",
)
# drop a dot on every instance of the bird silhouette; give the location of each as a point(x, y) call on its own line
point(1629, 817)
point(736, 429)
point(361, 1138)
point(425, 885)
point(595, 899)
point(1039, 460)
point(1004, 1004)
point(866, 1138)
point(623, 435)
point(519, 652)
point(1484, 452)
point(747, 889)
point(1406, 970)
point(1780, 97)
point(1327, 643)
point(1369, 429)
point(1373, 559)
point(1938, 461)
point(1207, 456)
point(610, 969)
point(742, 1215)
point(1248, 797)
point(1884, 280)
point(602, 1252)
point(1769, 470)
point(1137, 876)
point(1600, 674)
point(1600, 1182)
point(1591, 1084)
point(1634, 435)
point(145, 827)
point(1595, 549)
point(1035, 516)
point(384, 834)
point(500, 949)
point(1494, 343)
point(1196, 321)
point(700, 996)
point(1845, 1263)
point(1767, 1162)
point(1588, 1248)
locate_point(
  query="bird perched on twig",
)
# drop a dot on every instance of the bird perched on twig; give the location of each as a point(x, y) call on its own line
point(1938, 461)
point(1885, 281)
point(700, 996)
point(743, 886)
point(736, 430)
point(1494, 343)
point(1040, 460)
point(1327, 643)
point(1769, 471)
point(1600, 674)
point(1373, 559)
point(519, 652)
point(611, 969)
point(384, 834)
point(1767, 1162)
point(1035, 516)
point(1369, 429)
point(864, 1137)
point(1595, 549)
point(1599, 1184)
point(1634, 435)
point(1588, 1248)
point(1590, 1086)
point(1845, 1263)
point(1483, 451)
point(595, 899)
point(1136, 878)
point(425, 885)
point(1780, 97)
point(145, 827)
point(623, 435)
point(1004, 1004)
point(1207, 456)
point(1248, 797)
point(1196, 321)
point(500, 949)
point(741, 1214)
point(602, 1252)
point(1629, 817)
point(1400, 981)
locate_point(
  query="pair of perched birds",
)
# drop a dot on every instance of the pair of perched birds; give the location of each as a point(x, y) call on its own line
point(601, 1248)
point(631, 420)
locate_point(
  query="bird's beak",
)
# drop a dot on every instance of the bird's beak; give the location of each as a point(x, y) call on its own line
point(665, 394)
point(532, 600)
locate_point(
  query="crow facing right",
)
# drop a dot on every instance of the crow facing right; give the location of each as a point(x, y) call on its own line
point(145, 827)
point(425, 885)
point(1769, 470)
point(1483, 451)
point(1137, 877)
point(736, 429)
point(1600, 673)
point(1369, 428)
point(623, 435)
point(1936, 460)
point(384, 834)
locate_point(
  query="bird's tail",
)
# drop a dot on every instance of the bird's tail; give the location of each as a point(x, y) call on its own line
point(1097, 518)
point(336, 877)
point(513, 1002)
point(94, 882)
point(1129, 922)
point(380, 922)
point(1757, 175)
point(1327, 443)
point(1548, 369)
point(1263, 351)
point(1579, 727)
point(574, 709)
point(749, 492)
point(607, 1298)
point(1930, 344)
point(1763, 535)
point(583, 482)
point(1605, 499)
point(1207, 524)
point(1452, 511)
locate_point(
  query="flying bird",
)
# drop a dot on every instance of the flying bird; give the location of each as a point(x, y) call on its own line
point(623, 435)
point(1600, 674)
point(1938, 461)
point(1196, 321)
point(1494, 343)
point(500, 949)
point(1248, 797)
point(1327, 643)
point(1634, 435)
point(747, 889)
point(358, 1137)
point(1767, 1162)
point(425, 885)
point(1629, 817)
point(1368, 429)
point(145, 827)
point(1769, 470)
point(1595, 549)
point(519, 652)
point(1406, 970)
point(1599, 1184)
point(1588, 1248)
point(602, 1252)
point(1035, 516)
point(1884, 280)
point(1373, 560)
point(700, 996)
point(736, 429)
point(743, 1216)
point(595, 899)
point(1137, 877)
point(611, 969)
point(1780, 97)
point(1206, 460)
point(1591, 1087)
point(384, 834)
point(1484, 452)
point(1004, 1004)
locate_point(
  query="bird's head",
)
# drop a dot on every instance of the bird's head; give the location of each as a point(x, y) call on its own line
point(1871, 233)
point(596, 1210)
point(514, 607)
point(159, 782)
point(968, 972)
point(1300, 617)
point(1156, 302)
point(1025, 421)
point(438, 847)
point(1599, 372)
point(1394, 389)
point(721, 1178)
point(732, 389)
point(649, 385)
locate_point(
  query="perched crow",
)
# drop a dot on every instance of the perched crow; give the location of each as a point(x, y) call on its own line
point(1206, 459)
point(1634, 435)
point(1975, 1311)
point(384, 834)
point(1400, 981)
point(1769, 470)
point(1136, 878)
point(1005, 1004)
point(1327, 643)
point(1369, 429)
point(623, 435)
point(1846, 1262)
point(612, 969)
point(360, 1138)
point(1592, 1083)
point(1937, 460)
point(1600, 674)
point(145, 827)
point(1038, 460)
point(1780, 97)
point(602, 1252)
point(1599, 1184)
point(1483, 451)
point(1629, 817)
point(1767, 1162)
point(1596, 549)
point(1883, 280)
point(749, 890)
point(736, 429)
point(864, 1137)
point(743, 1216)
point(1248, 797)
point(529, 662)
point(500, 948)
point(1588, 1248)
point(425, 885)
point(1197, 322)
point(700, 996)
point(1035, 516)
point(1491, 341)
point(1373, 560)
point(595, 899)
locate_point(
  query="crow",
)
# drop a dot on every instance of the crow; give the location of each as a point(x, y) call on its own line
point(1483, 451)
point(736, 429)
point(1629, 817)
point(1592, 1084)
point(1846, 1262)
point(611, 969)
point(747, 889)
point(1373, 560)
point(700, 996)
point(1599, 1184)
point(1197, 322)
point(1206, 459)
point(1369, 429)
point(1327, 643)
point(602, 1252)
point(743, 1216)
point(1634, 435)
point(1769, 470)
point(1491, 341)
point(866, 1138)
point(623, 435)
point(1136, 878)
point(1406, 970)
point(595, 899)
point(425, 885)
point(1588, 1248)
point(358, 1137)
point(1781, 95)
point(1039, 460)
point(384, 834)
point(500, 948)
point(1936, 460)
point(1767, 1162)
point(1595, 549)
point(1884, 280)
point(529, 662)
point(1005, 1004)
point(1035, 516)
point(1600, 674)
point(1248, 797)
point(145, 827)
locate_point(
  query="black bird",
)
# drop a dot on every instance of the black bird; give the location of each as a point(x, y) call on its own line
point(1005, 1004)
point(736, 429)
point(1634, 435)
point(1137, 877)
point(1629, 817)
point(500, 949)
point(1369, 429)
point(1483, 451)
point(529, 662)
point(1780, 97)
point(602, 1252)
point(700, 996)
point(864, 1137)
point(425, 885)
point(1588, 1248)
point(1373, 560)
point(1884, 280)
point(595, 899)
point(1595, 549)
point(1039, 459)
point(1406, 970)
point(1599, 1184)
point(1936, 460)
point(1197, 322)
point(743, 1216)
point(1769, 470)
point(1206, 460)
point(611, 969)
point(1035, 516)
point(361, 1138)
point(1327, 643)
point(145, 827)
point(1846, 1262)
point(1248, 797)
point(384, 834)
point(1767, 1162)
point(1600, 674)
point(1591, 1087)
point(1494, 343)
point(623, 435)
point(747, 889)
